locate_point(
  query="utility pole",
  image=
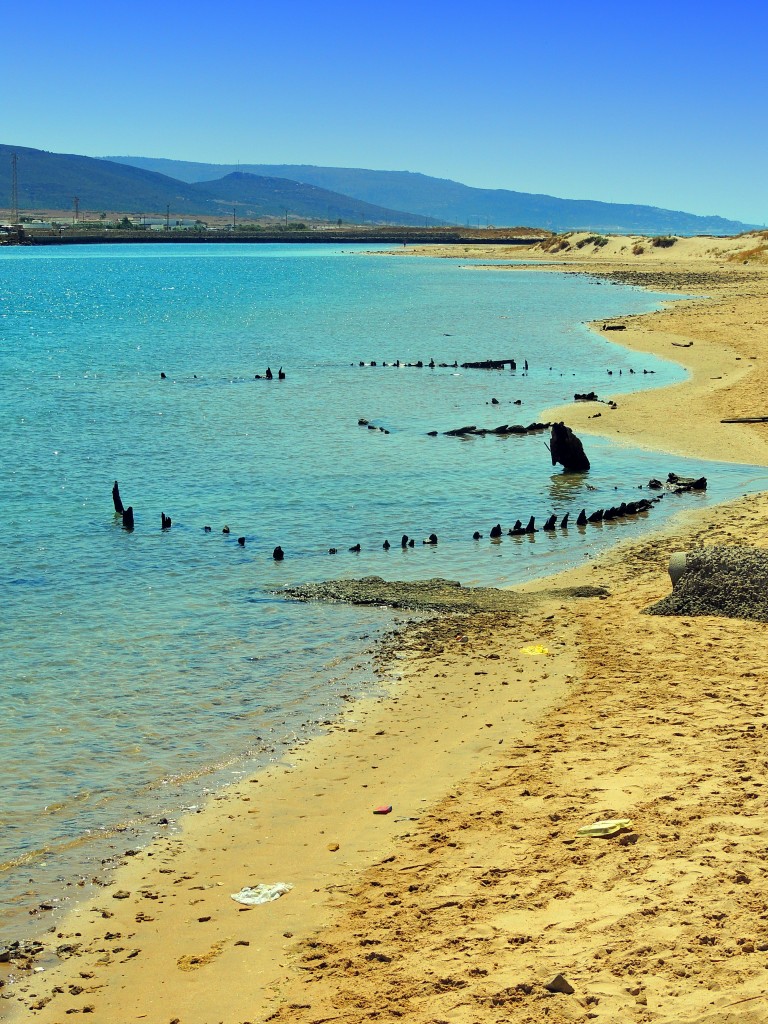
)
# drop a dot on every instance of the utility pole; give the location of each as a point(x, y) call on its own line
point(168, 217)
point(14, 191)
point(76, 204)
point(234, 217)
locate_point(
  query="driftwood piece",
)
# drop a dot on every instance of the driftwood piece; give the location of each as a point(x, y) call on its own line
point(566, 449)
point(745, 419)
point(128, 518)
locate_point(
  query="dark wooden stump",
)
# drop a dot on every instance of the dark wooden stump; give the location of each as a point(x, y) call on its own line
point(566, 449)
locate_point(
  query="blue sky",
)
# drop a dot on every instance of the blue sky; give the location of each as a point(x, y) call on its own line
point(647, 102)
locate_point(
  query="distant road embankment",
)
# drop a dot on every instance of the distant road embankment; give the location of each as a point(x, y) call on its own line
point(390, 236)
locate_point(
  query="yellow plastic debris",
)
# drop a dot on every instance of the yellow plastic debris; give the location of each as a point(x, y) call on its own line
point(605, 828)
point(534, 649)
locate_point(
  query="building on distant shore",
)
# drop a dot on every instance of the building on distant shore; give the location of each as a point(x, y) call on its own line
point(160, 223)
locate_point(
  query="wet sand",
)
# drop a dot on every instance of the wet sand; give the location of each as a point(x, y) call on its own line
point(504, 732)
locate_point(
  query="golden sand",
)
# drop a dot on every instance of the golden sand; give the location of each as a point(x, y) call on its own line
point(475, 893)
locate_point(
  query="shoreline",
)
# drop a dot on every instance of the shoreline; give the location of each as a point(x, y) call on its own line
point(707, 333)
point(327, 845)
point(675, 333)
point(180, 947)
point(176, 946)
point(327, 236)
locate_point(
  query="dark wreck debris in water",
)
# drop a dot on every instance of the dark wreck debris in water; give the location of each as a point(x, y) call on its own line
point(117, 500)
point(566, 449)
point(679, 484)
point(491, 364)
point(126, 514)
point(503, 429)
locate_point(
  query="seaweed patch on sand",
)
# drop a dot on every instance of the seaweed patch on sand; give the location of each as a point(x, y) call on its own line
point(436, 595)
point(730, 580)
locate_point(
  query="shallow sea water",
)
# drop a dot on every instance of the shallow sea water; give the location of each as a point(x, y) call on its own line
point(141, 668)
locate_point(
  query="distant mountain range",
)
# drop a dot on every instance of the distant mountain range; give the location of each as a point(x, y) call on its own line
point(453, 203)
point(51, 181)
point(262, 195)
point(148, 185)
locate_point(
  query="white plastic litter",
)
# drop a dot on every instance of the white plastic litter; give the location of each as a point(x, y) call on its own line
point(609, 827)
point(264, 892)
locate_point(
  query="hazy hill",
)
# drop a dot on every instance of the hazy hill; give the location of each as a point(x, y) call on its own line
point(150, 185)
point(261, 196)
point(50, 181)
point(454, 203)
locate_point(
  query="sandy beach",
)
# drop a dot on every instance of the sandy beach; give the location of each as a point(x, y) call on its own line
point(503, 733)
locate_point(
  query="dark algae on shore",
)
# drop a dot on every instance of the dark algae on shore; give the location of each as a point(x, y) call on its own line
point(435, 595)
point(725, 580)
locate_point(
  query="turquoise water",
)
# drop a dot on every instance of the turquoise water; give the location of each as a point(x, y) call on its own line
point(139, 668)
